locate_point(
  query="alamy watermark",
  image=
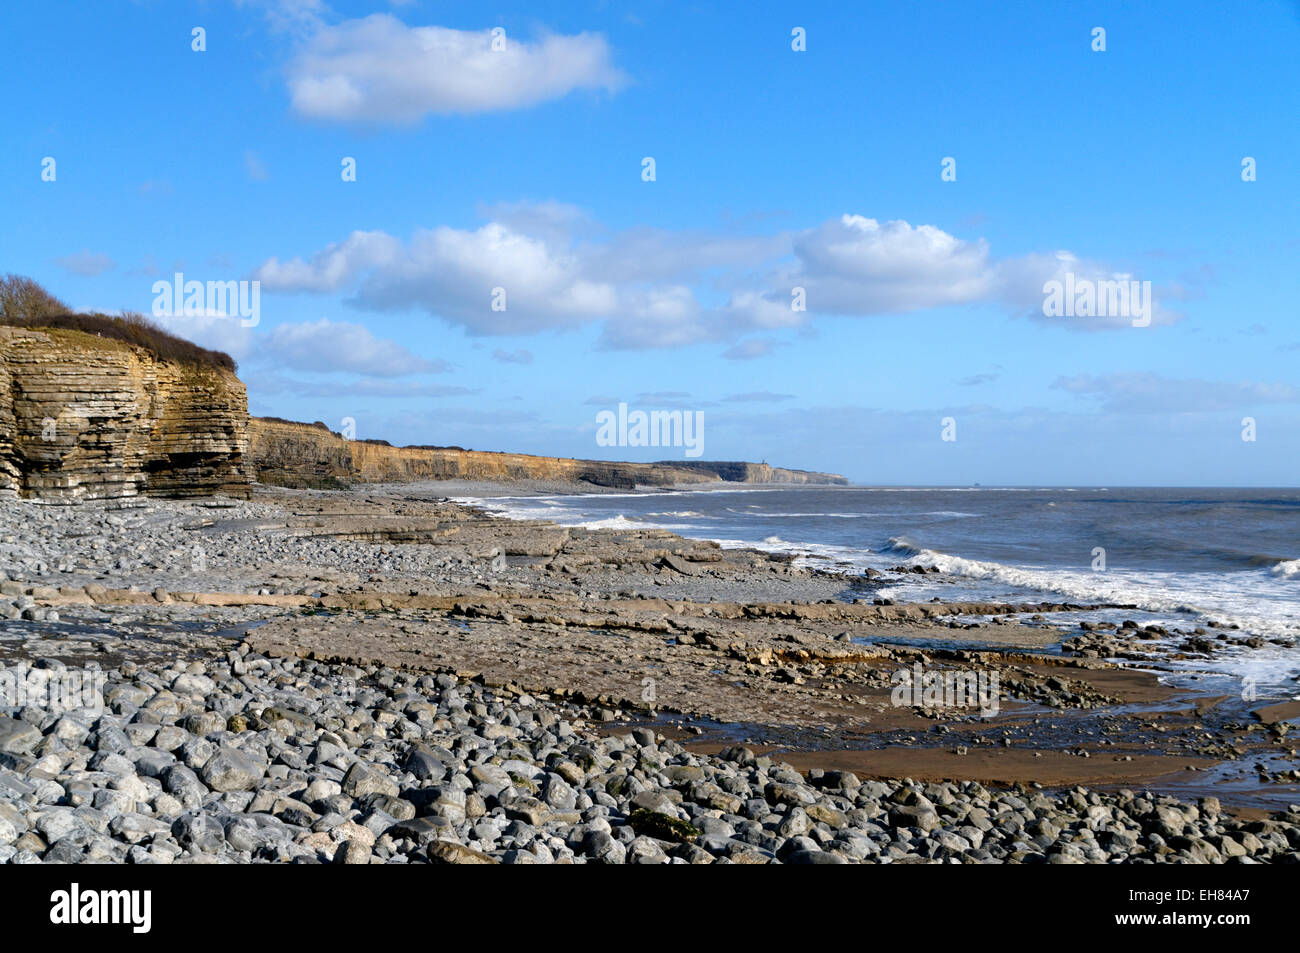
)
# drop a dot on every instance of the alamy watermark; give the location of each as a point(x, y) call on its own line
point(655, 428)
point(55, 690)
point(197, 299)
point(75, 906)
point(918, 687)
point(1086, 298)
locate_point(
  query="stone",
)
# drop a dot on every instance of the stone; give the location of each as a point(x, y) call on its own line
point(449, 852)
point(352, 852)
point(526, 809)
point(425, 766)
point(254, 832)
point(198, 832)
point(231, 770)
point(58, 823)
point(422, 830)
point(813, 857)
point(916, 816)
point(827, 815)
point(602, 848)
point(492, 774)
point(363, 779)
point(17, 737)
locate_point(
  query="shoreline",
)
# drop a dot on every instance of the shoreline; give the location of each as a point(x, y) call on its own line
point(738, 648)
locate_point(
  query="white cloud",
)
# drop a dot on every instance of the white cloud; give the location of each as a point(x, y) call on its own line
point(858, 265)
point(340, 346)
point(454, 273)
point(218, 332)
point(378, 69)
point(297, 17)
point(323, 346)
point(1020, 284)
point(331, 268)
point(650, 288)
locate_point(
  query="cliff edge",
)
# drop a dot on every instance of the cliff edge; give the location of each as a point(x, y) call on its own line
point(288, 453)
point(85, 417)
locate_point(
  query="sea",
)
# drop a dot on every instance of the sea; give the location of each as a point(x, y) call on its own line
point(1181, 557)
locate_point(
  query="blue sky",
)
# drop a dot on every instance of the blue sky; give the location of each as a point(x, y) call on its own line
point(774, 169)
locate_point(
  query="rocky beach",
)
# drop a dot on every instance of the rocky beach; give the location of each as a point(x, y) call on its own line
point(382, 675)
point(656, 434)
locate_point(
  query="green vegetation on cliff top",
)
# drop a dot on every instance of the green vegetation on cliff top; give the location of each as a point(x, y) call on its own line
point(25, 304)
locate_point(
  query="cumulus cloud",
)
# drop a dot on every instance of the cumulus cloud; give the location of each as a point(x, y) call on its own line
point(378, 69)
point(87, 264)
point(322, 346)
point(1146, 392)
point(857, 265)
point(547, 267)
point(341, 346)
point(219, 332)
point(455, 273)
point(1021, 283)
point(333, 266)
point(860, 266)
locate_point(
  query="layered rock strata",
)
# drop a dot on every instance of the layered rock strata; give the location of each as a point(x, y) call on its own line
point(286, 453)
point(85, 417)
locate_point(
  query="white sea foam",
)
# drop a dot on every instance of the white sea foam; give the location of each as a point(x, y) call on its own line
point(839, 516)
point(1289, 569)
point(613, 522)
point(1260, 601)
point(1247, 598)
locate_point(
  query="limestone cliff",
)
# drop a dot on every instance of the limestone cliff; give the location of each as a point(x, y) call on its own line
point(296, 454)
point(740, 472)
point(83, 416)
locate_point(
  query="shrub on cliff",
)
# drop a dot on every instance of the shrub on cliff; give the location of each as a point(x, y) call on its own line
point(25, 304)
point(23, 299)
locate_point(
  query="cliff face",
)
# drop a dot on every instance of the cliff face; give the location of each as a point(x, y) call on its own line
point(87, 417)
point(740, 472)
point(294, 454)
